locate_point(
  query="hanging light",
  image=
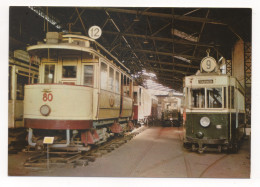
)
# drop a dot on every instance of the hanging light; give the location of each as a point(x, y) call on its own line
point(146, 41)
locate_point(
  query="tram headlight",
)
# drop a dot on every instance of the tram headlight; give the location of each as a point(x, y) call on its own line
point(45, 110)
point(199, 134)
point(204, 121)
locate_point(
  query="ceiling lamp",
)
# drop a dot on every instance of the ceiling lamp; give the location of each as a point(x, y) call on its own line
point(146, 41)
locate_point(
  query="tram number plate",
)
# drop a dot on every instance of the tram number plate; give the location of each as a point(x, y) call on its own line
point(205, 81)
point(47, 97)
point(94, 32)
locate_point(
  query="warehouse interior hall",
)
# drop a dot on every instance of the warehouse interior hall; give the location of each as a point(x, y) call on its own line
point(119, 92)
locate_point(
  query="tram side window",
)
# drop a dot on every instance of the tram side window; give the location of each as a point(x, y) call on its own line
point(128, 87)
point(103, 74)
point(135, 98)
point(117, 82)
point(214, 97)
point(21, 81)
point(231, 96)
point(198, 97)
point(111, 79)
point(88, 75)
point(140, 96)
point(49, 73)
point(225, 97)
point(125, 86)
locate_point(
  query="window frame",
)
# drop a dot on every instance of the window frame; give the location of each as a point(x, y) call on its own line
point(106, 79)
point(224, 106)
point(69, 79)
point(83, 74)
point(55, 72)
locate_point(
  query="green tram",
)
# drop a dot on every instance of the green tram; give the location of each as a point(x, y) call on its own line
point(214, 109)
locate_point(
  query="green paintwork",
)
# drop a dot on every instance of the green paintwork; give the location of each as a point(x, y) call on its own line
point(211, 132)
point(193, 125)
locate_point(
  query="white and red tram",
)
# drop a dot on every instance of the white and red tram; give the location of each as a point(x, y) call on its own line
point(82, 96)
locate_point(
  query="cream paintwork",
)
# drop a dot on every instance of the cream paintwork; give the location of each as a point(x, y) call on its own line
point(105, 110)
point(127, 107)
point(218, 81)
point(144, 102)
point(69, 102)
point(90, 103)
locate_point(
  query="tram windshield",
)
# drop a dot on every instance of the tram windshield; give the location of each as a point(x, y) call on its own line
point(49, 73)
point(198, 97)
point(206, 98)
point(214, 97)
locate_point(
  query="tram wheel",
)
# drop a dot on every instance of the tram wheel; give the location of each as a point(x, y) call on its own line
point(235, 148)
point(219, 148)
point(193, 147)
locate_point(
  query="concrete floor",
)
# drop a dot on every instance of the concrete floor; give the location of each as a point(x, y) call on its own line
point(156, 152)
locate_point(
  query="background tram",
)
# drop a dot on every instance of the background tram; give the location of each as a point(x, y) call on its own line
point(170, 107)
point(214, 115)
point(20, 67)
point(22, 70)
point(145, 106)
point(82, 96)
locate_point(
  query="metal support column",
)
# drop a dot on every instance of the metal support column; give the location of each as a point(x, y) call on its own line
point(229, 67)
point(247, 68)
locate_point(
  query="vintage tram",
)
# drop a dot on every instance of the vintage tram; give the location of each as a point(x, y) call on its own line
point(214, 109)
point(171, 111)
point(82, 97)
point(22, 70)
point(145, 107)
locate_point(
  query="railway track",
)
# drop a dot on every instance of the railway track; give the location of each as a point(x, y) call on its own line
point(208, 167)
point(77, 159)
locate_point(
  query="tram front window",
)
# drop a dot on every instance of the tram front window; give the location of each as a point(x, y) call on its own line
point(69, 71)
point(49, 73)
point(198, 97)
point(214, 97)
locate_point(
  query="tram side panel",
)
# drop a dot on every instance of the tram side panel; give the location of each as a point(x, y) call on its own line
point(19, 70)
point(142, 105)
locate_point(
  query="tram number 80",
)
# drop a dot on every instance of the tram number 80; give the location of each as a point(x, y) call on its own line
point(47, 97)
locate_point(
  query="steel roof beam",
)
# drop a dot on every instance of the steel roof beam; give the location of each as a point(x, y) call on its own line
point(172, 70)
point(160, 39)
point(162, 15)
point(173, 64)
point(167, 54)
point(178, 78)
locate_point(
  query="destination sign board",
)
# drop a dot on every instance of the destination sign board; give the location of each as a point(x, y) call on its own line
point(208, 81)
